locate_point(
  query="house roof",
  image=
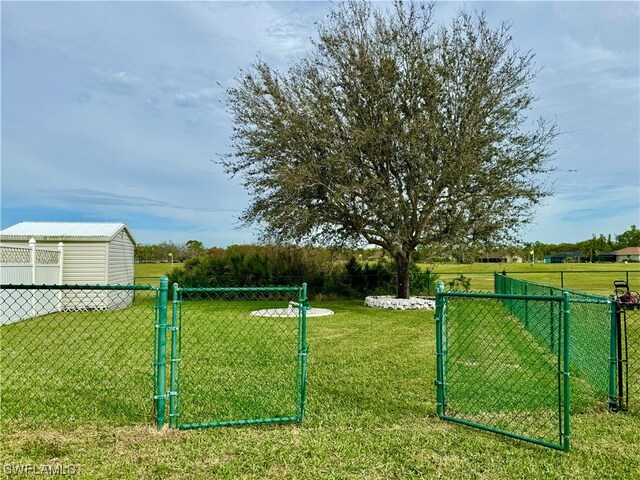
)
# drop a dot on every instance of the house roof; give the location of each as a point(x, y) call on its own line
point(60, 231)
point(628, 251)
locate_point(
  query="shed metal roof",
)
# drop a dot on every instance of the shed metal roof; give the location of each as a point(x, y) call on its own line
point(64, 231)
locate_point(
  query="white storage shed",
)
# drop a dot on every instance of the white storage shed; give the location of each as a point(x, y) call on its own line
point(94, 254)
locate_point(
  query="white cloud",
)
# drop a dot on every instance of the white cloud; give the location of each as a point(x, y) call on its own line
point(122, 83)
point(196, 99)
point(593, 55)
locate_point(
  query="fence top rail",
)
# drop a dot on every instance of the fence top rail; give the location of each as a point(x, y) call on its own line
point(525, 272)
point(240, 289)
point(595, 300)
point(502, 296)
point(22, 286)
point(590, 297)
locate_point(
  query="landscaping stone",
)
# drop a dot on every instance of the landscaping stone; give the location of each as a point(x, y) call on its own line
point(413, 303)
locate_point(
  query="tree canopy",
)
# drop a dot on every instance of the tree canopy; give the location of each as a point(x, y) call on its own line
point(393, 132)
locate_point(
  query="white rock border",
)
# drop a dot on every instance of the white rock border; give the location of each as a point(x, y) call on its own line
point(291, 312)
point(413, 303)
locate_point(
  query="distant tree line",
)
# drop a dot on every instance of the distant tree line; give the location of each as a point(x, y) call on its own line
point(590, 248)
point(194, 249)
point(166, 252)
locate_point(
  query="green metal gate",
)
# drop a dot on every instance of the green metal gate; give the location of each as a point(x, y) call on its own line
point(497, 374)
point(238, 356)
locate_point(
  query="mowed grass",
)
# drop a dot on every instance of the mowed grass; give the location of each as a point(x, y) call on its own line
point(150, 273)
point(588, 277)
point(594, 278)
point(370, 414)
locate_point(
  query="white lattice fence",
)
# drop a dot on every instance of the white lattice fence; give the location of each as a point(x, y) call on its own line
point(29, 265)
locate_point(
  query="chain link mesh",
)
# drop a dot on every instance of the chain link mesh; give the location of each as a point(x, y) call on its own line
point(75, 355)
point(242, 356)
point(630, 358)
point(500, 375)
point(598, 282)
point(589, 331)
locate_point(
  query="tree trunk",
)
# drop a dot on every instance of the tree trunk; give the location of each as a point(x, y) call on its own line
point(403, 260)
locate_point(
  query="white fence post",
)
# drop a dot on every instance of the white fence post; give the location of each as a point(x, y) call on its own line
point(32, 246)
point(60, 275)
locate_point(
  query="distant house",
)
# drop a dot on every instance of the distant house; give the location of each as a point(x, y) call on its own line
point(629, 254)
point(564, 257)
point(499, 258)
point(493, 258)
point(607, 257)
point(93, 254)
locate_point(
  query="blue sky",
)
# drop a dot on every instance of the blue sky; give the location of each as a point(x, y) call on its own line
point(113, 111)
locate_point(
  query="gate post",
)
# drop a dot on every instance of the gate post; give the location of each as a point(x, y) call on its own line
point(303, 350)
point(567, 390)
point(174, 389)
point(439, 352)
point(614, 403)
point(161, 352)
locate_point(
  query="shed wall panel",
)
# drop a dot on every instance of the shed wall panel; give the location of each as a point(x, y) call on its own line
point(121, 253)
point(84, 262)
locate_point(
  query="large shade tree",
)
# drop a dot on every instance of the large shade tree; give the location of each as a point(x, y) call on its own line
point(393, 132)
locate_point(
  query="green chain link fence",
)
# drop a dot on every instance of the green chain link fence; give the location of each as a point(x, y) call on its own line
point(592, 353)
point(598, 282)
point(76, 354)
point(241, 357)
point(628, 365)
point(495, 374)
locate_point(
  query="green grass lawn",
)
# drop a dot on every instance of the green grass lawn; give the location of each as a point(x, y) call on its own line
point(150, 273)
point(370, 406)
point(589, 277)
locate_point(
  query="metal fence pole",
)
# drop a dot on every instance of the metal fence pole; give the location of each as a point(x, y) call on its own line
point(161, 354)
point(613, 354)
point(567, 389)
point(439, 353)
point(303, 349)
point(175, 360)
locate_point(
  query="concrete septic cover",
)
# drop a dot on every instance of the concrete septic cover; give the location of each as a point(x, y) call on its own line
point(291, 312)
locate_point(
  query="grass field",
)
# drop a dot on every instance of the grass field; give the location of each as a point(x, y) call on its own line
point(589, 277)
point(370, 410)
point(150, 273)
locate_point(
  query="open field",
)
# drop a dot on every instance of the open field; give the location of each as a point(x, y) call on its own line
point(594, 278)
point(370, 410)
point(150, 273)
point(589, 277)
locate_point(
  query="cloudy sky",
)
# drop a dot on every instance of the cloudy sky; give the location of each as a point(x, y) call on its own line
point(113, 111)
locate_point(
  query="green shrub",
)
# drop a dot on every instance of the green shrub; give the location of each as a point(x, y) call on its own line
point(326, 272)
